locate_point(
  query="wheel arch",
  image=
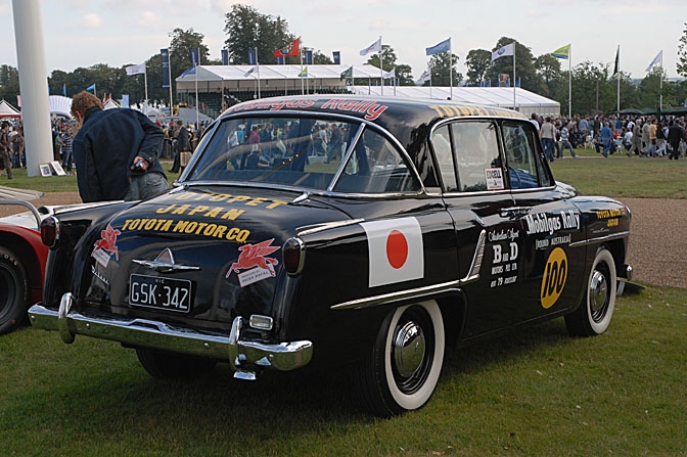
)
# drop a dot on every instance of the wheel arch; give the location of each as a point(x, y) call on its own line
point(26, 250)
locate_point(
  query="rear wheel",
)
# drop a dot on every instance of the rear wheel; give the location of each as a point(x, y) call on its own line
point(594, 314)
point(402, 370)
point(165, 365)
point(14, 292)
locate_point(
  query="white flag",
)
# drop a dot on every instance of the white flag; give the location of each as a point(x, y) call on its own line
point(507, 50)
point(389, 74)
point(657, 59)
point(136, 69)
point(424, 77)
point(374, 47)
point(248, 73)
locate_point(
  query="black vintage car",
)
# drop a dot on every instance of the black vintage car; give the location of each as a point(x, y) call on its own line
point(337, 229)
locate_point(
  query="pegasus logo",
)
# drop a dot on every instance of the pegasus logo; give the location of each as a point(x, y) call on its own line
point(255, 255)
point(108, 241)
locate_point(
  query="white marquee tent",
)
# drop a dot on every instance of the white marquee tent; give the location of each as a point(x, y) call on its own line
point(7, 110)
point(275, 78)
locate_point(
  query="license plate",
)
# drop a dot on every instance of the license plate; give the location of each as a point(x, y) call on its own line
point(162, 293)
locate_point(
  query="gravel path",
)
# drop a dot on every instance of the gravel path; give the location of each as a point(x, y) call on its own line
point(657, 252)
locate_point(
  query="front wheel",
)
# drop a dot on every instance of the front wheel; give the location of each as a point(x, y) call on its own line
point(594, 314)
point(402, 369)
point(165, 365)
point(14, 292)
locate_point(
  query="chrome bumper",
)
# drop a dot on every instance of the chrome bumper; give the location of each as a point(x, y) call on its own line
point(243, 355)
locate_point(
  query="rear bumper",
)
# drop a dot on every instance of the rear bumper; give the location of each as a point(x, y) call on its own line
point(242, 354)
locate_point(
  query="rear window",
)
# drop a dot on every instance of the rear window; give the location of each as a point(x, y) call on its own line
point(319, 154)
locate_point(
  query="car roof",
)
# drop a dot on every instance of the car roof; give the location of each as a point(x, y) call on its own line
point(400, 116)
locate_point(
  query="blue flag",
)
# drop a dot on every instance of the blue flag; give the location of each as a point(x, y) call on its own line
point(337, 57)
point(308, 56)
point(439, 48)
point(64, 90)
point(91, 87)
point(195, 57)
point(253, 57)
point(225, 57)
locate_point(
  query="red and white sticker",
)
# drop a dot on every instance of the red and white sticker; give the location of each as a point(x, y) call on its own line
point(106, 246)
point(253, 258)
point(396, 251)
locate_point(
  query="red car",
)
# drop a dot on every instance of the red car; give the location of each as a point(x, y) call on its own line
point(22, 263)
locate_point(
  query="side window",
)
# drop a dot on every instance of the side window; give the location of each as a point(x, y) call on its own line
point(525, 168)
point(441, 143)
point(477, 154)
point(376, 166)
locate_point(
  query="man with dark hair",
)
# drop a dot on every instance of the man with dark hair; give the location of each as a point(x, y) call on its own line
point(116, 152)
point(675, 134)
point(5, 153)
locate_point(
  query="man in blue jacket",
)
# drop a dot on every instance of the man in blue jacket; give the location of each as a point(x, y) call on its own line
point(116, 152)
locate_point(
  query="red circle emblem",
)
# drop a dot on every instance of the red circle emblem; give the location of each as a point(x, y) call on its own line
point(396, 249)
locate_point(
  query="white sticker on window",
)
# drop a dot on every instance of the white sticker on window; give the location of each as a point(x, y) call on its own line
point(494, 178)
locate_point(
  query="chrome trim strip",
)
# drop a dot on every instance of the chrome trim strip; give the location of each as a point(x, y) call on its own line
point(240, 352)
point(600, 239)
point(400, 295)
point(308, 229)
point(346, 157)
point(421, 292)
point(477, 258)
point(27, 205)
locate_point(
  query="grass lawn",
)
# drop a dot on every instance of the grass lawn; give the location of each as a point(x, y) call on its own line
point(535, 392)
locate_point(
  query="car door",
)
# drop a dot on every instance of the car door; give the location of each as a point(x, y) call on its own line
point(552, 255)
point(477, 197)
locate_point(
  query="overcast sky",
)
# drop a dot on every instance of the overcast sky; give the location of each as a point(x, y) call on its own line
point(82, 33)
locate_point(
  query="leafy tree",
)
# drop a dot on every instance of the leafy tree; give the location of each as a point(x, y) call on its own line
point(9, 83)
point(591, 91)
point(321, 59)
point(524, 65)
point(548, 69)
point(247, 29)
point(440, 65)
point(478, 62)
point(682, 54)
point(404, 74)
point(388, 58)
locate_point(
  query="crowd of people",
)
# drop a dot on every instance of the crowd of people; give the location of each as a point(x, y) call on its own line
point(640, 135)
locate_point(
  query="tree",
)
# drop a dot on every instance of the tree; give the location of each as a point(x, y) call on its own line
point(247, 29)
point(478, 62)
point(682, 54)
point(404, 74)
point(524, 65)
point(440, 66)
point(388, 58)
point(548, 69)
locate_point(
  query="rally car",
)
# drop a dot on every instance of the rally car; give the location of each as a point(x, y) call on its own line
point(332, 229)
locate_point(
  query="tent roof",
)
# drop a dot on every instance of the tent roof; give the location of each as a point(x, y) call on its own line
point(7, 110)
point(60, 105)
point(526, 101)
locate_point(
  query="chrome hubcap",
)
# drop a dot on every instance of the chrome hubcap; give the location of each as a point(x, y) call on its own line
point(598, 293)
point(408, 349)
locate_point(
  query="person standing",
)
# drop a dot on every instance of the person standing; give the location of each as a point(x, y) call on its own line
point(183, 144)
point(636, 139)
point(646, 137)
point(548, 138)
point(565, 142)
point(606, 138)
point(67, 142)
point(675, 135)
point(116, 152)
point(5, 157)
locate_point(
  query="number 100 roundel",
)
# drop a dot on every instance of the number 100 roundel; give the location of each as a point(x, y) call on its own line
point(395, 249)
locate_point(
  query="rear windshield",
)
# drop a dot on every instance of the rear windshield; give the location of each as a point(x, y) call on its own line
point(317, 154)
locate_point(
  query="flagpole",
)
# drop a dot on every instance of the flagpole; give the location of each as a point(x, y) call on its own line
point(257, 63)
point(381, 66)
point(618, 76)
point(570, 81)
point(196, 78)
point(450, 63)
point(171, 100)
point(514, 103)
point(145, 81)
point(660, 85)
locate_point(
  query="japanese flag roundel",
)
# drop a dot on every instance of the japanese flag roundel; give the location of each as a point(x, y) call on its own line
point(396, 252)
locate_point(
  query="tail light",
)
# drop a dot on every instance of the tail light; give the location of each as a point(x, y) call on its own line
point(50, 231)
point(293, 255)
